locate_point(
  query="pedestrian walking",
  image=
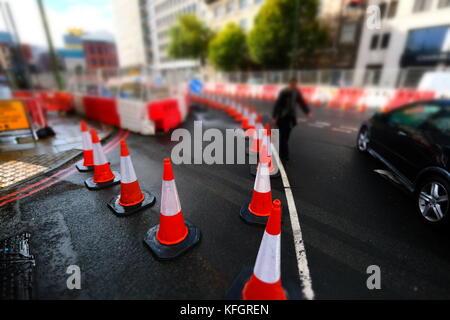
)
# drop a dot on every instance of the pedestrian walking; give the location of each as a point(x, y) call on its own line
point(285, 116)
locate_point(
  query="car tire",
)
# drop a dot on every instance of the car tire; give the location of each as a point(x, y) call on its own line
point(432, 200)
point(363, 139)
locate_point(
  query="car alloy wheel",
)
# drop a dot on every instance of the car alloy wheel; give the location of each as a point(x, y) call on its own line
point(363, 139)
point(433, 201)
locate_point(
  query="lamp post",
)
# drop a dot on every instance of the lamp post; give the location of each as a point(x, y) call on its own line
point(53, 57)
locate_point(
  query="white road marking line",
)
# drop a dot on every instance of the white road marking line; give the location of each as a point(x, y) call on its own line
point(300, 252)
point(341, 130)
point(315, 125)
point(323, 123)
point(349, 128)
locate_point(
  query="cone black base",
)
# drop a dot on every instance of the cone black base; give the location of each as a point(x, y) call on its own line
point(119, 210)
point(166, 252)
point(250, 218)
point(91, 185)
point(254, 169)
point(293, 292)
point(82, 168)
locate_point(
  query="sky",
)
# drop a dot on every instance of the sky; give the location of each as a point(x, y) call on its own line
point(89, 15)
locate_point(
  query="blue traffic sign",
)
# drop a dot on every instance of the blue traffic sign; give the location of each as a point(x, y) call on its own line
point(196, 86)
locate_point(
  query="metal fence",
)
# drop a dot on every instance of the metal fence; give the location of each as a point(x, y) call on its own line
point(397, 78)
point(119, 81)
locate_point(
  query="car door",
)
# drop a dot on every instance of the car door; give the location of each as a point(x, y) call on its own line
point(410, 142)
point(381, 133)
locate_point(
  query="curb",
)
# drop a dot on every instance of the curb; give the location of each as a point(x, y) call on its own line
point(70, 158)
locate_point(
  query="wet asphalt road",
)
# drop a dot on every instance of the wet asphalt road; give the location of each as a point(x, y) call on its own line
point(350, 218)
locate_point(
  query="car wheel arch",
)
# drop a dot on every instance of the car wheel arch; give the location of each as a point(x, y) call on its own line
point(430, 172)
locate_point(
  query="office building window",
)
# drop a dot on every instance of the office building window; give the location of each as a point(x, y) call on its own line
point(230, 6)
point(243, 24)
point(429, 40)
point(348, 33)
point(374, 42)
point(392, 9)
point(444, 3)
point(218, 11)
point(385, 40)
point(382, 7)
point(242, 4)
point(372, 76)
point(422, 5)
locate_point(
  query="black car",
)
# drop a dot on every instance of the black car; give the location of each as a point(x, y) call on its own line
point(413, 141)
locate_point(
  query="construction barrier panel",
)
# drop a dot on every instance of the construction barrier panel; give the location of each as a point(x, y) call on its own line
point(78, 103)
point(308, 93)
point(270, 92)
point(37, 112)
point(57, 101)
point(403, 97)
point(23, 94)
point(243, 90)
point(133, 116)
point(101, 109)
point(165, 113)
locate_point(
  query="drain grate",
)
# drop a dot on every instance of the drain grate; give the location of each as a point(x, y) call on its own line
point(16, 268)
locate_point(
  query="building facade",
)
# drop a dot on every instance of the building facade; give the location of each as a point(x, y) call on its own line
point(100, 52)
point(413, 37)
point(132, 21)
point(163, 15)
point(344, 20)
point(241, 12)
point(72, 55)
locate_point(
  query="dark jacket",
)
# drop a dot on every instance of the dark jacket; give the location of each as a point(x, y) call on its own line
point(284, 110)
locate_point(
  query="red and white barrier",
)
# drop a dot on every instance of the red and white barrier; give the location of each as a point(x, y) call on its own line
point(133, 116)
point(359, 99)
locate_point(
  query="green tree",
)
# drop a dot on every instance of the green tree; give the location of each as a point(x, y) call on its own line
point(189, 38)
point(228, 49)
point(284, 32)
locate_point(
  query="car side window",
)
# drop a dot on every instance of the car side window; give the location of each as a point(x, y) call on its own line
point(413, 116)
point(440, 122)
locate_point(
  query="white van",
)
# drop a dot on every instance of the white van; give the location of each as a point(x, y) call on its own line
point(438, 81)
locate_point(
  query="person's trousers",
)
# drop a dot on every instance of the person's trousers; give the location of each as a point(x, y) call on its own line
point(285, 128)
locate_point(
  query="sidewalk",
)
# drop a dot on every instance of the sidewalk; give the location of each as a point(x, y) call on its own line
point(21, 160)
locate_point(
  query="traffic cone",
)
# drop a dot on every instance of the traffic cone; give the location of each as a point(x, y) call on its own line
point(238, 116)
point(257, 210)
point(257, 135)
point(131, 199)
point(265, 152)
point(263, 281)
point(88, 153)
point(245, 119)
point(103, 176)
point(173, 235)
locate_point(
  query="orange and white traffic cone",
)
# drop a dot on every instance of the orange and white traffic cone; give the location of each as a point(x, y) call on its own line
point(257, 210)
point(173, 235)
point(103, 177)
point(88, 153)
point(263, 281)
point(238, 114)
point(265, 152)
point(257, 135)
point(131, 198)
point(245, 118)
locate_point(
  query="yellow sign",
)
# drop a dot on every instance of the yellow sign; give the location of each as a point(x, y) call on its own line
point(13, 115)
point(75, 31)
